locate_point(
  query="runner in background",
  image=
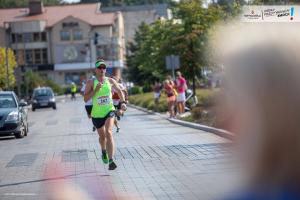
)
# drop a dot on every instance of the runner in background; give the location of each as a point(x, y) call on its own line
point(116, 101)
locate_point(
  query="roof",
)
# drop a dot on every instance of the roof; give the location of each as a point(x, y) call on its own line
point(52, 14)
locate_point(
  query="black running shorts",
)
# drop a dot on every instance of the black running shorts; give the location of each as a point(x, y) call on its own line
point(88, 109)
point(99, 122)
point(118, 107)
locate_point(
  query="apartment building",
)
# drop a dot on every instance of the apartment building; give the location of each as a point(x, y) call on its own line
point(62, 42)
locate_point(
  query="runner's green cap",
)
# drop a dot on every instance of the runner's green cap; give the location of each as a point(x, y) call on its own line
point(99, 62)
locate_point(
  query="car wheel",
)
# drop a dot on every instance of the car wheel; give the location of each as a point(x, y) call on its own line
point(33, 109)
point(22, 131)
point(54, 107)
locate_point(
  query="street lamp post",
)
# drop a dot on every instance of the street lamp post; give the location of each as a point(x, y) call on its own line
point(7, 72)
point(6, 25)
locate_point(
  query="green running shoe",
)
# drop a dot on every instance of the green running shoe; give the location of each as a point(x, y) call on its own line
point(105, 158)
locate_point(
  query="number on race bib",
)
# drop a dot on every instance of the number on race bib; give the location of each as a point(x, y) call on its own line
point(104, 100)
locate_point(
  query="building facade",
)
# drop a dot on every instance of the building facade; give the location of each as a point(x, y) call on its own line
point(62, 42)
point(135, 15)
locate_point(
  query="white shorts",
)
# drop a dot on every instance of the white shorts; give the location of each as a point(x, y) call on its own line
point(116, 102)
point(156, 95)
point(181, 97)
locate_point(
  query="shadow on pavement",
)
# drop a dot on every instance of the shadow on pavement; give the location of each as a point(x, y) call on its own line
point(51, 179)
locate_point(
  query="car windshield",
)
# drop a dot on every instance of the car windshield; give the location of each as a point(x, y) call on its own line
point(42, 92)
point(7, 101)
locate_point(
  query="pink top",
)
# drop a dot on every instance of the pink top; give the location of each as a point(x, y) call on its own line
point(180, 84)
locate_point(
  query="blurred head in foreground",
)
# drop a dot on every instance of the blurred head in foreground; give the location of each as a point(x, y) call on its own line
point(262, 86)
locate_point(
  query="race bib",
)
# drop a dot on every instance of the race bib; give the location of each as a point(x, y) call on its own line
point(103, 100)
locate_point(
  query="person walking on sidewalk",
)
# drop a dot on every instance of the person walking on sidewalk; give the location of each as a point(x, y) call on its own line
point(103, 111)
point(181, 88)
point(156, 90)
point(73, 91)
point(171, 97)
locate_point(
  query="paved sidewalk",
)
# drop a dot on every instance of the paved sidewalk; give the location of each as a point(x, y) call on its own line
point(156, 159)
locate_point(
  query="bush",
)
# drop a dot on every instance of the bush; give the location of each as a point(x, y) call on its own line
point(147, 88)
point(151, 106)
point(197, 112)
point(136, 90)
point(55, 87)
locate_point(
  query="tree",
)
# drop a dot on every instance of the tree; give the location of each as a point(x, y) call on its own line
point(12, 64)
point(187, 35)
point(146, 61)
point(33, 80)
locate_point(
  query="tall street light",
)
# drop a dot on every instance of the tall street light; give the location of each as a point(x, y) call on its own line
point(6, 25)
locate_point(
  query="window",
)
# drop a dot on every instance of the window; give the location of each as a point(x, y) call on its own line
point(28, 37)
point(44, 36)
point(77, 35)
point(65, 35)
point(45, 56)
point(29, 56)
point(13, 38)
point(102, 51)
point(19, 37)
point(36, 37)
point(7, 101)
point(37, 56)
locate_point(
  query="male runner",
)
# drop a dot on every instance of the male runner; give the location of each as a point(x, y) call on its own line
point(103, 109)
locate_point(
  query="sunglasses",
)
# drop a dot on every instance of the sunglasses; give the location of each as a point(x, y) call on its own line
point(101, 66)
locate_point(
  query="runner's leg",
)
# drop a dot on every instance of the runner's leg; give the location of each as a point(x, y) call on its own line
point(102, 142)
point(109, 136)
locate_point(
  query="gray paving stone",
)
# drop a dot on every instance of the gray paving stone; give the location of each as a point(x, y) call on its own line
point(26, 159)
point(156, 159)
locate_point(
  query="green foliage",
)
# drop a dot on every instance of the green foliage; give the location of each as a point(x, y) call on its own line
point(56, 87)
point(186, 35)
point(135, 90)
point(33, 80)
point(3, 69)
point(146, 100)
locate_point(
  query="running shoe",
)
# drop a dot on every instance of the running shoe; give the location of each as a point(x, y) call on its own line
point(112, 165)
point(105, 158)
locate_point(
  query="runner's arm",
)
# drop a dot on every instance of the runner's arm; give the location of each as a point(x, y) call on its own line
point(116, 87)
point(125, 95)
point(89, 91)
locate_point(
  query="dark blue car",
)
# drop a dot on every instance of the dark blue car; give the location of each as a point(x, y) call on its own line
point(43, 97)
point(13, 115)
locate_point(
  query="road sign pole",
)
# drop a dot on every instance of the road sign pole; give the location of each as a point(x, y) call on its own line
point(173, 66)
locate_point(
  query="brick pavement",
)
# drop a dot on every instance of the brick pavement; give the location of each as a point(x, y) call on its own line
point(156, 159)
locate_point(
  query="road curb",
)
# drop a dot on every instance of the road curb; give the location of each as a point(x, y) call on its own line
point(219, 132)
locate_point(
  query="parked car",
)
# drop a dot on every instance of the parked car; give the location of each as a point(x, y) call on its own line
point(13, 115)
point(43, 97)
